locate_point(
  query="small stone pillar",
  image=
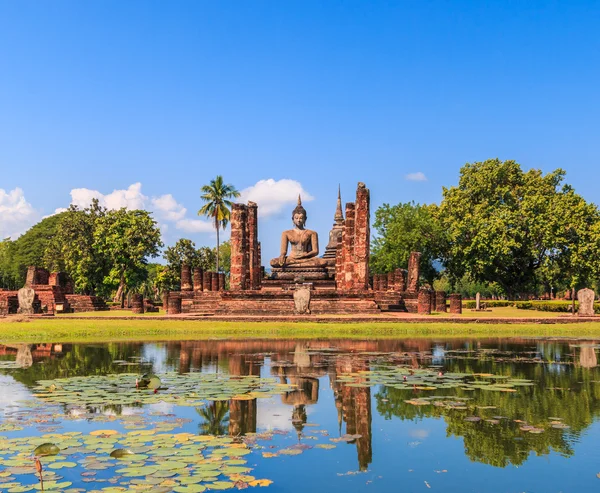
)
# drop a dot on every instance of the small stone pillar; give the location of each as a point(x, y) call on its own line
point(174, 302)
point(214, 282)
point(186, 278)
point(207, 281)
point(165, 301)
point(586, 302)
point(413, 272)
point(221, 281)
point(400, 280)
point(455, 303)
point(424, 302)
point(137, 304)
point(197, 274)
point(440, 301)
point(391, 281)
point(478, 301)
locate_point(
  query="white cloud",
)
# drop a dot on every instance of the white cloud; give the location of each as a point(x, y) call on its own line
point(273, 196)
point(194, 226)
point(16, 214)
point(167, 208)
point(131, 198)
point(418, 176)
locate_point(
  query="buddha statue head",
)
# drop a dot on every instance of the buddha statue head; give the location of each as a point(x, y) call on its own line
point(299, 215)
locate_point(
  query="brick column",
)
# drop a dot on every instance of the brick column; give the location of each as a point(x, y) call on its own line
point(237, 279)
point(253, 247)
point(197, 275)
point(214, 281)
point(137, 303)
point(413, 272)
point(207, 281)
point(362, 238)
point(165, 300)
point(186, 278)
point(174, 303)
point(440, 301)
point(455, 303)
point(348, 282)
point(424, 302)
point(221, 281)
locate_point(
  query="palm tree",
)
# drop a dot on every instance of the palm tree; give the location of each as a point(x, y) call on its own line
point(215, 418)
point(217, 205)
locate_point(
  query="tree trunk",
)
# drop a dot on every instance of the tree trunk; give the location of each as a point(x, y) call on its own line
point(573, 301)
point(120, 292)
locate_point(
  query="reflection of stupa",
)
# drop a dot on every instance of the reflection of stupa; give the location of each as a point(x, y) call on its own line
point(354, 407)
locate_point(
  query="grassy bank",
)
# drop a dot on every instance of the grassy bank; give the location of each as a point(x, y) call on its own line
point(66, 330)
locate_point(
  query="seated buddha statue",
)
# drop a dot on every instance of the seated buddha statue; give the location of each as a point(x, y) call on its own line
point(304, 244)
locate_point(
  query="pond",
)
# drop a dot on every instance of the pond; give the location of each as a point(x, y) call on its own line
point(464, 415)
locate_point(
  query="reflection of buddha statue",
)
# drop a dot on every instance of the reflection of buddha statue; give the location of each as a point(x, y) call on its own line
point(304, 244)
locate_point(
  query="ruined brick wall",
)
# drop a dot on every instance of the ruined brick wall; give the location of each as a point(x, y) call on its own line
point(400, 280)
point(352, 260)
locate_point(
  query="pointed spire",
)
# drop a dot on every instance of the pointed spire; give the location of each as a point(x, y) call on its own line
point(339, 216)
point(299, 200)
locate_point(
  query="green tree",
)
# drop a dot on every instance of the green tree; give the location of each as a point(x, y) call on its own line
point(217, 205)
point(26, 250)
point(127, 238)
point(73, 249)
point(405, 228)
point(503, 224)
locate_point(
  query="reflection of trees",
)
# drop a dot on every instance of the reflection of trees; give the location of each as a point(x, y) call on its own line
point(215, 418)
point(78, 360)
point(560, 391)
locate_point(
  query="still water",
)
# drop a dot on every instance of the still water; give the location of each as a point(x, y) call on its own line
point(410, 415)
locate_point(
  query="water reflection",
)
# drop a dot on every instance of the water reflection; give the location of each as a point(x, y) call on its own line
point(565, 375)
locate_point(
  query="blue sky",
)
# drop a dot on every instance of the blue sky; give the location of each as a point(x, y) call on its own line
point(150, 100)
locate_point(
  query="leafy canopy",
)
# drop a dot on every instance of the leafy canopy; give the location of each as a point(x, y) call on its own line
point(405, 228)
point(504, 225)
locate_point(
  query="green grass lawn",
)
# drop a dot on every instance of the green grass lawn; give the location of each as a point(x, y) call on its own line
point(111, 313)
point(64, 329)
point(507, 312)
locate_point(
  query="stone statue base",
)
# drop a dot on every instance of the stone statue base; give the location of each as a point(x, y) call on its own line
point(302, 300)
point(300, 273)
